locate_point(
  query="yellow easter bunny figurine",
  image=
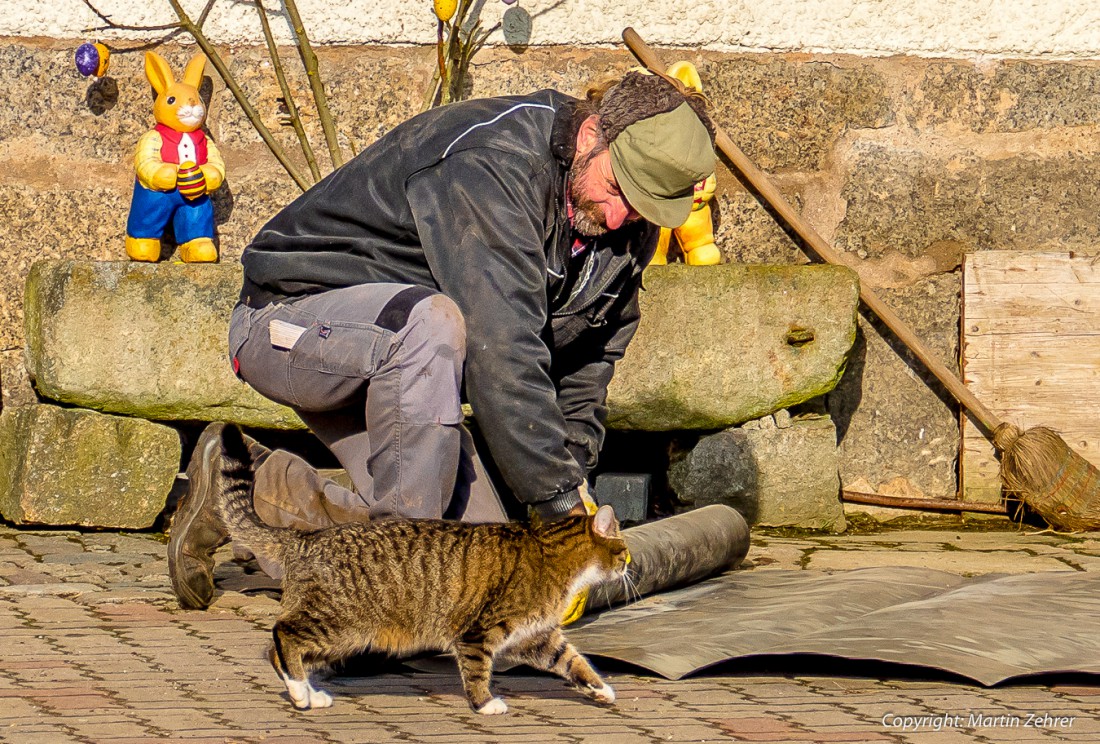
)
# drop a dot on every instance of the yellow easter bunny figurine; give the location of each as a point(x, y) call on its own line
point(177, 167)
point(696, 235)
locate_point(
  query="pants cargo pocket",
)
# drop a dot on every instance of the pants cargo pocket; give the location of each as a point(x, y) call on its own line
point(240, 326)
point(332, 361)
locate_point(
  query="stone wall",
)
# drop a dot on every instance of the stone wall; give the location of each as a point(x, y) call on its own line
point(905, 164)
point(1048, 29)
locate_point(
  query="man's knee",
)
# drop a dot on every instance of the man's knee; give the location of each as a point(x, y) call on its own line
point(436, 326)
point(429, 363)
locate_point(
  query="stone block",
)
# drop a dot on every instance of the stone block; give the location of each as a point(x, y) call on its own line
point(787, 113)
point(15, 385)
point(138, 339)
point(61, 466)
point(718, 345)
point(897, 427)
point(148, 340)
point(1026, 194)
point(775, 477)
point(1004, 96)
point(626, 493)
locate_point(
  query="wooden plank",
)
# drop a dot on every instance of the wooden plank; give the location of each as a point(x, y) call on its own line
point(996, 268)
point(1031, 352)
point(1023, 315)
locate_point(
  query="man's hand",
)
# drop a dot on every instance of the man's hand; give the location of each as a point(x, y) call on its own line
point(586, 505)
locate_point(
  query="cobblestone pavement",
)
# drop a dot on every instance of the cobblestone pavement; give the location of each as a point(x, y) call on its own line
point(95, 649)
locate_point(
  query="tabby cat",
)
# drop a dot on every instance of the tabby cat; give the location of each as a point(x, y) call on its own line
point(403, 586)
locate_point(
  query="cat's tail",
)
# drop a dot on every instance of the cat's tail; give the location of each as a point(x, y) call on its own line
point(234, 502)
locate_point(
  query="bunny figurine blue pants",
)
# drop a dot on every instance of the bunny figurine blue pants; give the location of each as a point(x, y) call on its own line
point(151, 211)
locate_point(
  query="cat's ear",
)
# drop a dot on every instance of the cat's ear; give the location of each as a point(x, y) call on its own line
point(604, 523)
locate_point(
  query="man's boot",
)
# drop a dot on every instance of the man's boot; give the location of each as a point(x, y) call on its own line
point(196, 530)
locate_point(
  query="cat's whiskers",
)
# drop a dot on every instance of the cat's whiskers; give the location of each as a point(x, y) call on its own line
point(631, 589)
point(605, 588)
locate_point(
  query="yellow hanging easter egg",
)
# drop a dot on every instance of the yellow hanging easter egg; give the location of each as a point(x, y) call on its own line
point(444, 9)
point(104, 59)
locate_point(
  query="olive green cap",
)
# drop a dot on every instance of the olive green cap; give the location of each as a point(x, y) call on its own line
point(657, 162)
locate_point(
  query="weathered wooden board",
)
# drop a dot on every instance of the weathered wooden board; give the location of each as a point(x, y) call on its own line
point(1031, 353)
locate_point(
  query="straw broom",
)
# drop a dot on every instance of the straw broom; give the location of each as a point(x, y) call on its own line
point(1037, 466)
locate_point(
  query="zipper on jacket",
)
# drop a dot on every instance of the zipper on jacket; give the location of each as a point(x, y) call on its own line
point(612, 272)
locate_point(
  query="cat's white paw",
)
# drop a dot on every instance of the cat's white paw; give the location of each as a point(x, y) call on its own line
point(299, 693)
point(319, 699)
point(304, 696)
point(494, 707)
point(603, 694)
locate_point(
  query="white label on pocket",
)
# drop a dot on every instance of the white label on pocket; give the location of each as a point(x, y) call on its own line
point(284, 335)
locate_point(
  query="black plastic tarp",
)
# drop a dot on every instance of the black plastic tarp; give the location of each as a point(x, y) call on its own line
point(987, 628)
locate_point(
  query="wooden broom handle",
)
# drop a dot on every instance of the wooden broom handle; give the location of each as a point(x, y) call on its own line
point(775, 199)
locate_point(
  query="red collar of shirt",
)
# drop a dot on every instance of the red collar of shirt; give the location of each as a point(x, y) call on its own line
point(580, 242)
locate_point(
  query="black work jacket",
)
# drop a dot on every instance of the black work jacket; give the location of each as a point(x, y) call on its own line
point(468, 199)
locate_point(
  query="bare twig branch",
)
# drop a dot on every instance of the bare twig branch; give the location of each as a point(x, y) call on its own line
point(174, 29)
point(454, 41)
point(475, 39)
point(230, 82)
point(432, 96)
point(439, 49)
point(292, 108)
point(464, 37)
point(160, 27)
point(309, 60)
point(123, 27)
point(205, 12)
point(439, 76)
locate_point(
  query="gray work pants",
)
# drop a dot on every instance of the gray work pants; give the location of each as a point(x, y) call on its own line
point(375, 371)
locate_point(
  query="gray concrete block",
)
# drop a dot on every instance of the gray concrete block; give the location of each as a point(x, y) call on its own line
point(627, 493)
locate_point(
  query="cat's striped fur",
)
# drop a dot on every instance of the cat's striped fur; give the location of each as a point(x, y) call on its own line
point(407, 586)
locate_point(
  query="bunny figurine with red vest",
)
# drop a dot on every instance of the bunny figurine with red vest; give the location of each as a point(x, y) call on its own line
point(177, 167)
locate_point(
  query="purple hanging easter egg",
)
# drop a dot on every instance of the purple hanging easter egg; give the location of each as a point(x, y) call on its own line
point(508, 2)
point(87, 59)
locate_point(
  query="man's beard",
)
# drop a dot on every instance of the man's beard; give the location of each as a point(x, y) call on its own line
point(588, 217)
